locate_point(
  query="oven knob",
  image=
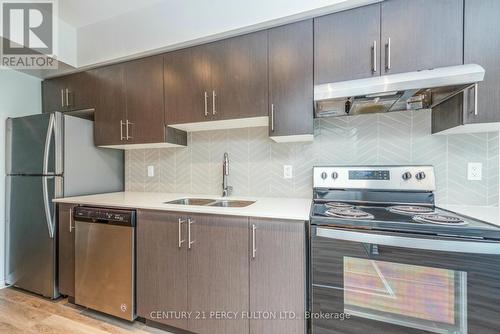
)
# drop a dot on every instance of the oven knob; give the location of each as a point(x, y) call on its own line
point(324, 175)
point(420, 176)
point(406, 176)
point(335, 175)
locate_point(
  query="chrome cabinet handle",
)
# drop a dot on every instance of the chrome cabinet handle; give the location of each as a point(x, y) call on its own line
point(190, 242)
point(272, 117)
point(121, 130)
point(206, 104)
point(71, 221)
point(181, 241)
point(388, 55)
point(127, 136)
point(214, 111)
point(374, 57)
point(62, 98)
point(67, 97)
point(476, 97)
point(254, 246)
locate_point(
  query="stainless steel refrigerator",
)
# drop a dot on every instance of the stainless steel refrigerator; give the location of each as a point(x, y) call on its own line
point(48, 156)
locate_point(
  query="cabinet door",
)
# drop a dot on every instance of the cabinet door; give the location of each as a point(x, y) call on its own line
point(144, 100)
point(110, 107)
point(66, 264)
point(482, 46)
point(291, 79)
point(187, 87)
point(277, 275)
point(238, 71)
point(81, 91)
point(161, 267)
point(347, 45)
point(53, 94)
point(423, 34)
point(218, 273)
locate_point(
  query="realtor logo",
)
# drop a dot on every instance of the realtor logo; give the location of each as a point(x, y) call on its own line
point(28, 31)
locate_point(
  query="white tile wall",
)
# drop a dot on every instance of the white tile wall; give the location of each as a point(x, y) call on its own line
point(256, 162)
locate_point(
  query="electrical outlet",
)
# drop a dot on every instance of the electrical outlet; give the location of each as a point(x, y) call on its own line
point(151, 171)
point(287, 171)
point(474, 171)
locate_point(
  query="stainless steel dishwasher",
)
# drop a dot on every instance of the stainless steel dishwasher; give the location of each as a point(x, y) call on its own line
point(104, 260)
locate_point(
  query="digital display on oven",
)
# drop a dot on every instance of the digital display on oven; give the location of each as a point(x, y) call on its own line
point(369, 175)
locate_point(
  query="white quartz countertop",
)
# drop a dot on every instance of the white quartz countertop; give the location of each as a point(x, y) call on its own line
point(278, 208)
point(485, 213)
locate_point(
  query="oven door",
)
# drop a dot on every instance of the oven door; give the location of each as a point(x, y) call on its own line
point(364, 282)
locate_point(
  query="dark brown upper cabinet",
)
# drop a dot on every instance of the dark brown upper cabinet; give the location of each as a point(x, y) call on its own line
point(187, 85)
point(221, 80)
point(71, 92)
point(239, 76)
point(144, 101)
point(468, 112)
point(347, 45)
point(290, 55)
point(110, 113)
point(130, 103)
point(482, 46)
point(421, 34)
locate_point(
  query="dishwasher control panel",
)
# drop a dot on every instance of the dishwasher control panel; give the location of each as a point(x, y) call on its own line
point(105, 216)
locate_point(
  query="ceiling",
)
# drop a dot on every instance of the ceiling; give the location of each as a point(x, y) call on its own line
point(78, 13)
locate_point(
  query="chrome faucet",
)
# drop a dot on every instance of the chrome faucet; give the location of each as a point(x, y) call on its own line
point(226, 190)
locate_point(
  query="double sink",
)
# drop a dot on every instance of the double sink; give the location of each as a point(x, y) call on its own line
point(211, 202)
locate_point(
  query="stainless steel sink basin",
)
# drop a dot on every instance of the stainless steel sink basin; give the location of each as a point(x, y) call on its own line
point(191, 201)
point(232, 204)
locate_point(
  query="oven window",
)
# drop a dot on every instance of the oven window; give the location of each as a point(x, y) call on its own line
point(425, 298)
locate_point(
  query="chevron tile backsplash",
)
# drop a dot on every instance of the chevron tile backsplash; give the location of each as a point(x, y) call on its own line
point(256, 162)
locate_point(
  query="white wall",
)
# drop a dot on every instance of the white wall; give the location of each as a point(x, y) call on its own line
point(172, 24)
point(20, 94)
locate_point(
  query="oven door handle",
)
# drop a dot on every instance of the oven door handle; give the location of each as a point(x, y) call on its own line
point(439, 245)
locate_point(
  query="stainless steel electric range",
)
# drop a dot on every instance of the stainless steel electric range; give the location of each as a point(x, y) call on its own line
point(385, 259)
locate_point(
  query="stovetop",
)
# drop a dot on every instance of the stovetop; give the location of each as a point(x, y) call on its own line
point(379, 217)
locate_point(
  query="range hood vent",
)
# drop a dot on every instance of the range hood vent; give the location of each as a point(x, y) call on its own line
point(396, 92)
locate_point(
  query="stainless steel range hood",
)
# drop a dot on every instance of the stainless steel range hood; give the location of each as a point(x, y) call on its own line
point(404, 91)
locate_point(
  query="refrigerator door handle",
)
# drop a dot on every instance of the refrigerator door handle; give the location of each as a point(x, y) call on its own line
point(46, 204)
point(48, 139)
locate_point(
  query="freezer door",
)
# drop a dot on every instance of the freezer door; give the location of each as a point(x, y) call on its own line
point(34, 145)
point(30, 233)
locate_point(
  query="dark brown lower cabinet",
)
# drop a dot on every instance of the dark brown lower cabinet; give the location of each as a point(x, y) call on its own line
point(222, 271)
point(277, 276)
point(66, 250)
point(218, 273)
point(161, 267)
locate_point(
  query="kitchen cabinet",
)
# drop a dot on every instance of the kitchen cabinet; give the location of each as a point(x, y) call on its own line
point(290, 55)
point(465, 113)
point(218, 272)
point(347, 45)
point(277, 275)
point(71, 92)
point(144, 101)
point(161, 266)
point(482, 46)
point(187, 85)
point(66, 265)
point(220, 80)
point(130, 103)
point(421, 34)
point(110, 112)
point(238, 71)
point(391, 37)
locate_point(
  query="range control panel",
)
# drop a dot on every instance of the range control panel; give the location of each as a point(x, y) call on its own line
point(105, 216)
point(411, 178)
